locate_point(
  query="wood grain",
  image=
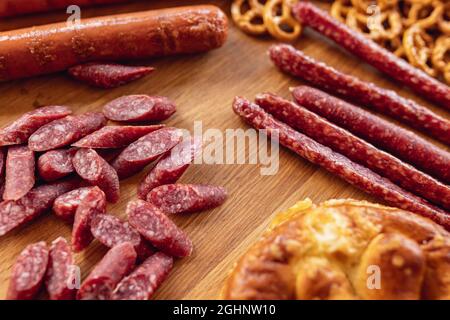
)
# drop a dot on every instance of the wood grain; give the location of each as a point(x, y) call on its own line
point(203, 87)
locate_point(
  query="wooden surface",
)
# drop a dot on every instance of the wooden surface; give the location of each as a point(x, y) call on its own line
point(203, 87)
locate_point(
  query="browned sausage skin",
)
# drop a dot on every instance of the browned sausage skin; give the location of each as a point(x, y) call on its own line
point(12, 8)
point(56, 47)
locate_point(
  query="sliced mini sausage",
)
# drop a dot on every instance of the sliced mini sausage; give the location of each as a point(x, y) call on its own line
point(145, 150)
point(28, 272)
point(139, 108)
point(171, 167)
point(67, 204)
point(186, 198)
point(20, 168)
point(142, 283)
point(60, 274)
point(63, 132)
point(108, 75)
point(94, 203)
point(111, 137)
point(105, 276)
point(21, 129)
point(158, 229)
point(14, 214)
point(111, 231)
point(56, 164)
point(96, 171)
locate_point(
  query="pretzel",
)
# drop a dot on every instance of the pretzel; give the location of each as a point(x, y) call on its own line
point(328, 251)
point(374, 26)
point(417, 45)
point(438, 56)
point(340, 9)
point(248, 20)
point(416, 30)
point(278, 16)
point(425, 12)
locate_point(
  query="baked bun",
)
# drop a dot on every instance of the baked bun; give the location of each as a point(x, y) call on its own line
point(345, 249)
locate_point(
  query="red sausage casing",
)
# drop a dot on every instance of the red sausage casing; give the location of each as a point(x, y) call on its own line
point(56, 47)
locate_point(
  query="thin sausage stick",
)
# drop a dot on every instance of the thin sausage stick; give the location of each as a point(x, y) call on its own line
point(372, 53)
point(366, 94)
point(356, 149)
point(336, 163)
point(400, 142)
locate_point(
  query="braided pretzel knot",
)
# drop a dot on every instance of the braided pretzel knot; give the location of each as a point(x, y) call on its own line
point(248, 20)
point(278, 16)
point(337, 250)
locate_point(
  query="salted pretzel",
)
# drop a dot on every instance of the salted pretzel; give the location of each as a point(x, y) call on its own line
point(375, 26)
point(279, 20)
point(344, 249)
point(438, 57)
point(418, 48)
point(248, 15)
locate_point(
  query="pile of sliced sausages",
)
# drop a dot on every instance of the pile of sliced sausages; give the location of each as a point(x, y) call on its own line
point(375, 155)
point(73, 165)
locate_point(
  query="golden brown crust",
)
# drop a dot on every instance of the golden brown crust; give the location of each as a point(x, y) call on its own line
point(345, 249)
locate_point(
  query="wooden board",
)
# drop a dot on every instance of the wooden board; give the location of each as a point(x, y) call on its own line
point(203, 87)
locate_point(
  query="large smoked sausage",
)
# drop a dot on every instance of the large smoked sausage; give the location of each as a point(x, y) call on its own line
point(56, 47)
point(367, 50)
point(11, 8)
